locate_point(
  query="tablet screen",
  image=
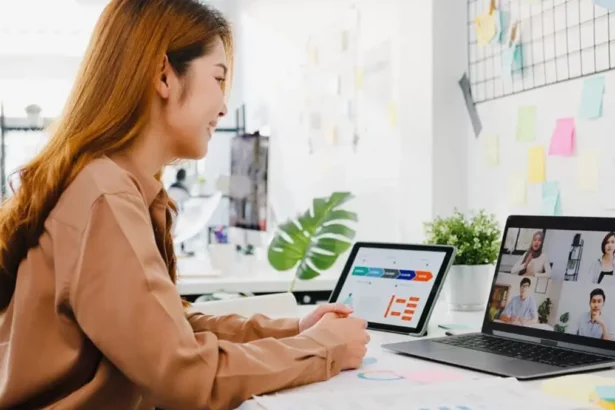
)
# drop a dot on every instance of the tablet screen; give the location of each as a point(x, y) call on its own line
point(391, 286)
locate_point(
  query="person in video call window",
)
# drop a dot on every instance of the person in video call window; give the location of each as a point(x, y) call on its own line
point(592, 324)
point(522, 309)
point(601, 270)
point(534, 262)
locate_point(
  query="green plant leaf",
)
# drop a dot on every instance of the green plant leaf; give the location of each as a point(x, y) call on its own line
point(337, 229)
point(306, 273)
point(319, 236)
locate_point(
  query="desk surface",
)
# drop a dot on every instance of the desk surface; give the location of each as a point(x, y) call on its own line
point(384, 360)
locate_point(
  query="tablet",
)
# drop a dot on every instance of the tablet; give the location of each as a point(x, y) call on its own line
point(394, 287)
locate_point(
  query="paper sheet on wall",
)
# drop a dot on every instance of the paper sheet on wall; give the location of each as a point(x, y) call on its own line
point(607, 182)
point(550, 204)
point(491, 147)
point(607, 4)
point(489, 394)
point(562, 141)
point(536, 164)
point(526, 119)
point(392, 111)
point(517, 189)
point(464, 83)
point(591, 98)
point(485, 26)
point(511, 61)
point(588, 170)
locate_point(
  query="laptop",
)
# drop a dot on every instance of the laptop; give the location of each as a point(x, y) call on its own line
point(549, 310)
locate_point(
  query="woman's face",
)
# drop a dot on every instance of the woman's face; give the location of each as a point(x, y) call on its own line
point(536, 242)
point(609, 247)
point(194, 105)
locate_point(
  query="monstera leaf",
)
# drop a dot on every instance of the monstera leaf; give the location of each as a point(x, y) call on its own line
point(314, 240)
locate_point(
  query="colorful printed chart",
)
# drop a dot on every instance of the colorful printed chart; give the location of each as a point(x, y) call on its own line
point(399, 274)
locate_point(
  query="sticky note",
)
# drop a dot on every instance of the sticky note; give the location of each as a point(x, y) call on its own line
point(562, 141)
point(587, 177)
point(492, 150)
point(576, 387)
point(485, 28)
point(526, 119)
point(497, 20)
point(536, 164)
point(517, 189)
point(550, 204)
point(392, 114)
point(591, 99)
point(314, 56)
point(359, 78)
point(344, 42)
point(606, 393)
point(607, 4)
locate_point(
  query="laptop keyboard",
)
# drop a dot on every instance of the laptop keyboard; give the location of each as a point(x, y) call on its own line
point(522, 350)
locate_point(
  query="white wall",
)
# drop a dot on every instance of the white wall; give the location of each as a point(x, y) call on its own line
point(489, 187)
point(401, 179)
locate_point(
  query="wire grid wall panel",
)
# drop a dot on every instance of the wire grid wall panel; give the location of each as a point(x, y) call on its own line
point(560, 40)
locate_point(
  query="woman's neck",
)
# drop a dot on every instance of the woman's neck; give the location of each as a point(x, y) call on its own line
point(607, 258)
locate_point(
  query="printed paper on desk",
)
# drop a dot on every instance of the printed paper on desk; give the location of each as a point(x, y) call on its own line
point(588, 167)
point(591, 99)
point(488, 394)
point(562, 141)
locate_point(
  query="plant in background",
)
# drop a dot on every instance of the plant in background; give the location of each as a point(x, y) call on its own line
point(563, 319)
point(313, 241)
point(544, 310)
point(476, 237)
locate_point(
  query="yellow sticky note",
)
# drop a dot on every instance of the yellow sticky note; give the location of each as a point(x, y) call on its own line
point(485, 28)
point(492, 150)
point(536, 164)
point(517, 189)
point(587, 177)
point(359, 78)
point(576, 387)
point(314, 56)
point(392, 114)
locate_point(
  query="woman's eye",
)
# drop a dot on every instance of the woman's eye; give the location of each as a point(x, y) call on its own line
point(221, 80)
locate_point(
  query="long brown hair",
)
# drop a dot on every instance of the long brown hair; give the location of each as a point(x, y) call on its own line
point(106, 111)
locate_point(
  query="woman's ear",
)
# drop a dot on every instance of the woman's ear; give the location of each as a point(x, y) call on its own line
point(163, 79)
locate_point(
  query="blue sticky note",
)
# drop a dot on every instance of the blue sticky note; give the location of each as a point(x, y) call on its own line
point(551, 204)
point(607, 4)
point(497, 18)
point(591, 99)
point(511, 61)
point(606, 393)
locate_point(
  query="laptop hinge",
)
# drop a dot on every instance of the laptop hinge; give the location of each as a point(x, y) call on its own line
point(548, 342)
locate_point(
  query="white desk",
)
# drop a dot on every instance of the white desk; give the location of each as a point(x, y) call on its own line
point(441, 315)
point(249, 277)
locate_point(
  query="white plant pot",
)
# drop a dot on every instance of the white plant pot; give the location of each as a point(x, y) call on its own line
point(467, 287)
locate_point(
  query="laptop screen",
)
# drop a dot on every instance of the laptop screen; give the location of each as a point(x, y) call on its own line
point(556, 280)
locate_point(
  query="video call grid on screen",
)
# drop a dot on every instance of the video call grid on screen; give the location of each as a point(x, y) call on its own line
point(556, 280)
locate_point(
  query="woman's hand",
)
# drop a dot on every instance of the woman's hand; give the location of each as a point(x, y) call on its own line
point(338, 309)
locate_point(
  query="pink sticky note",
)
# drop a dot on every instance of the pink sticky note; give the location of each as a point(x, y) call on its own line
point(434, 376)
point(562, 141)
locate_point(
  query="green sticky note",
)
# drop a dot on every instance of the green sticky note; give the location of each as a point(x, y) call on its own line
point(551, 204)
point(591, 99)
point(525, 123)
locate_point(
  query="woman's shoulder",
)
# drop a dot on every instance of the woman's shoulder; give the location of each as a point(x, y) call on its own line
point(99, 178)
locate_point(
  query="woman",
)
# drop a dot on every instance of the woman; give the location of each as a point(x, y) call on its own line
point(534, 262)
point(601, 270)
point(90, 316)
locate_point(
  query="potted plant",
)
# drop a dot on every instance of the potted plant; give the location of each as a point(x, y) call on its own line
point(312, 242)
point(477, 239)
point(544, 310)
